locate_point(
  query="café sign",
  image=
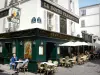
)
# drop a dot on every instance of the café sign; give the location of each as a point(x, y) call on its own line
point(4, 13)
point(59, 11)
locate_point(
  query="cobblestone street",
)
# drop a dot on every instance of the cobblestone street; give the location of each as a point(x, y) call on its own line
point(89, 68)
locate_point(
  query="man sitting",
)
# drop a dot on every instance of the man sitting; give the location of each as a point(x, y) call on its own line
point(24, 63)
point(12, 61)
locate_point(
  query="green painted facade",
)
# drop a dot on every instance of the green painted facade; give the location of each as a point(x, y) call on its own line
point(48, 43)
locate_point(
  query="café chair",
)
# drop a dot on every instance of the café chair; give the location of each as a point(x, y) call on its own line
point(49, 61)
point(40, 67)
point(24, 68)
point(67, 62)
point(61, 62)
point(55, 65)
point(80, 61)
point(74, 60)
point(48, 69)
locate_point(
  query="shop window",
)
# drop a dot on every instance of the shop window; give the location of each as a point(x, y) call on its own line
point(41, 50)
point(82, 23)
point(58, 50)
point(0, 49)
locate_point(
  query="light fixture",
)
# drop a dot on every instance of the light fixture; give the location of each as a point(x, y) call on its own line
point(34, 42)
point(41, 43)
point(13, 43)
point(21, 43)
point(0, 44)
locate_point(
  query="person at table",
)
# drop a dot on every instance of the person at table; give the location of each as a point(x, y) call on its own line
point(23, 63)
point(12, 61)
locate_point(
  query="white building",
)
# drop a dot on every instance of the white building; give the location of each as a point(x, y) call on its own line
point(90, 19)
point(43, 14)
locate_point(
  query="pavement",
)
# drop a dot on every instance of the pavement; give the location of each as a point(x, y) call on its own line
point(89, 68)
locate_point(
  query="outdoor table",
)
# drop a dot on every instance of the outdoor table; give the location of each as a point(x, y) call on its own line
point(71, 59)
point(63, 58)
point(19, 61)
point(51, 64)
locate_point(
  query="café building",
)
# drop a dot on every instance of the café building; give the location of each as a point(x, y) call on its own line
point(34, 29)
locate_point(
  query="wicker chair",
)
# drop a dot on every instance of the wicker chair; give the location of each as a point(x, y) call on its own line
point(74, 60)
point(55, 67)
point(61, 61)
point(49, 61)
point(48, 69)
point(80, 61)
point(67, 62)
point(40, 67)
point(24, 68)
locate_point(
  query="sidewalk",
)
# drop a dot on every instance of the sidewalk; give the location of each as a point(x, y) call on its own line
point(89, 68)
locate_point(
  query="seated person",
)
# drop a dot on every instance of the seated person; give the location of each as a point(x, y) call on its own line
point(12, 61)
point(23, 63)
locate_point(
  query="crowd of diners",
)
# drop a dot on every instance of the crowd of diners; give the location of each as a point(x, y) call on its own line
point(69, 61)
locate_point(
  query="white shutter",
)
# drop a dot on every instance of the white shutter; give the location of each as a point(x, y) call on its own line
point(56, 23)
point(45, 19)
point(56, 1)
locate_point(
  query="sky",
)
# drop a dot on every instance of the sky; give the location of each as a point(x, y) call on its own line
point(83, 3)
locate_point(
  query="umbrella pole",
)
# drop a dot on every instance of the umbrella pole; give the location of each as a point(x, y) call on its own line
point(78, 49)
point(83, 49)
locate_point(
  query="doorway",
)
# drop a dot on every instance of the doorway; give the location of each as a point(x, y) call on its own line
point(8, 47)
point(49, 50)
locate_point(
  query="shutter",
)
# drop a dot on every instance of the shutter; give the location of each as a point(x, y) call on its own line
point(45, 19)
point(56, 1)
point(56, 23)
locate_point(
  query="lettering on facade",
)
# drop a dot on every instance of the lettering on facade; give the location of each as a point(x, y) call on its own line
point(4, 13)
point(54, 35)
point(61, 12)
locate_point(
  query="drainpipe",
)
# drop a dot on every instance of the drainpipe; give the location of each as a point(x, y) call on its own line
point(99, 20)
point(5, 5)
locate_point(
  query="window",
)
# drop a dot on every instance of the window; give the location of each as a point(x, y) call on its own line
point(71, 6)
point(13, 2)
point(63, 25)
point(49, 21)
point(41, 50)
point(83, 12)
point(54, 1)
point(83, 23)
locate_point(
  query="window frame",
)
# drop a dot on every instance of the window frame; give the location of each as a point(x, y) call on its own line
point(82, 23)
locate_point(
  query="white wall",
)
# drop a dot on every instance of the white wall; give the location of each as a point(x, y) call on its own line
point(93, 30)
point(64, 3)
point(1, 19)
point(92, 20)
point(33, 8)
point(91, 10)
point(28, 11)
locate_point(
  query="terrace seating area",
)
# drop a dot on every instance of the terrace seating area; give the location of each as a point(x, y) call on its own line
point(47, 67)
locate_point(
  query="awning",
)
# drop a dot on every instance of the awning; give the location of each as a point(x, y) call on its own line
point(78, 43)
point(97, 44)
